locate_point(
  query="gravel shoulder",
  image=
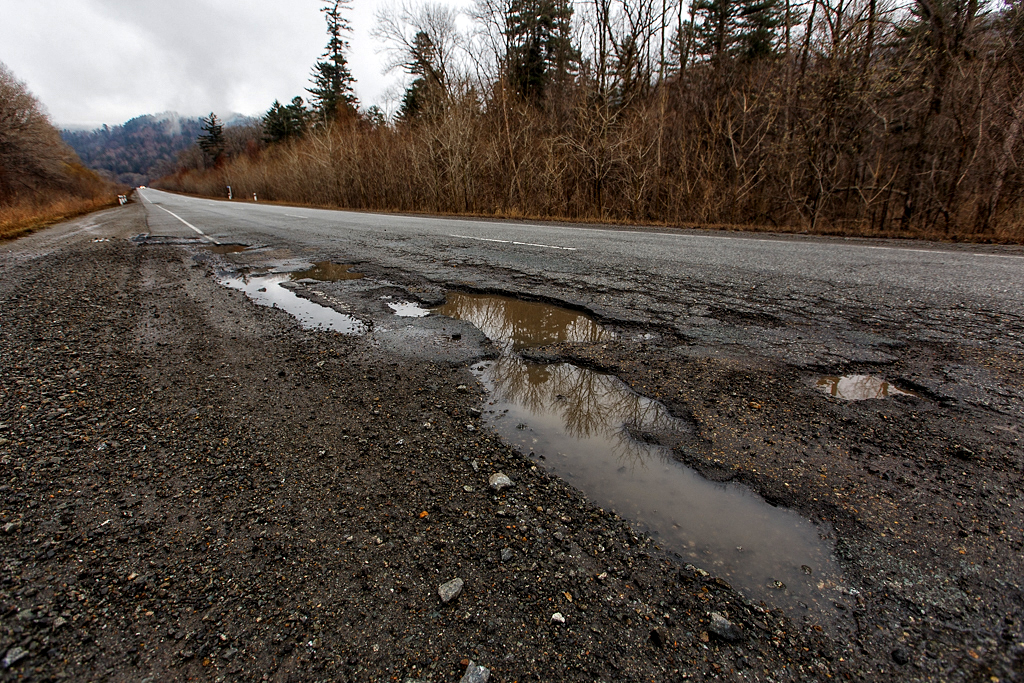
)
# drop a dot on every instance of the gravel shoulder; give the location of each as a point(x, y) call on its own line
point(193, 487)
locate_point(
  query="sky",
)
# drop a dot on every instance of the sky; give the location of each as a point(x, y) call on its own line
point(95, 62)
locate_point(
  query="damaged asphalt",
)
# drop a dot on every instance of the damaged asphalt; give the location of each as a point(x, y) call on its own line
point(195, 486)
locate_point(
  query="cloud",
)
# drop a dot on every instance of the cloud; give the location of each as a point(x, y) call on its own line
point(104, 61)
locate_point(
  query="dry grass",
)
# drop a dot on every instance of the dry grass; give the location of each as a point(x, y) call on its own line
point(28, 216)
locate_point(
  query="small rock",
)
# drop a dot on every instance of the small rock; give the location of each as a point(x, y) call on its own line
point(659, 637)
point(462, 388)
point(899, 655)
point(475, 674)
point(475, 466)
point(723, 628)
point(557, 618)
point(449, 591)
point(14, 655)
point(499, 481)
point(963, 452)
point(475, 412)
point(506, 554)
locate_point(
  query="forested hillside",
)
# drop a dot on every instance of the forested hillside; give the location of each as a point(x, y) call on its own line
point(137, 151)
point(869, 117)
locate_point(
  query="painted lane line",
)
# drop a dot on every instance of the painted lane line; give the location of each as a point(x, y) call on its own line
point(201, 233)
point(518, 244)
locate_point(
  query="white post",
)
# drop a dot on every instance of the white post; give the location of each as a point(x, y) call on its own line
point(254, 196)
point(229, 192)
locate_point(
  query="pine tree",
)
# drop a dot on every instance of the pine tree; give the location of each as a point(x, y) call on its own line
point(285, 121)
point(332, 94)
point(211, 141)
point(539, 44)
point(758, 36)
point(747, 29)
point(715, 34)
point(429, 84)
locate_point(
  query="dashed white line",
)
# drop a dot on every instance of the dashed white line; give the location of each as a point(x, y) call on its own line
point(201, 233)
point(518, 244)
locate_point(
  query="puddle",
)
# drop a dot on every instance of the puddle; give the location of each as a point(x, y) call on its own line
point(408, 309)
point(581, 421)
point(325, 271)
point(515, 325)
point(859, 387)
point(226, 248)
point(267, 290)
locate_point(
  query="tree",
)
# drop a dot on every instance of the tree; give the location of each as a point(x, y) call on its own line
point(423, 41)
point(539, 44)
point(332, 80)
point(282, 122)
point(32, 154)
point(211, 141)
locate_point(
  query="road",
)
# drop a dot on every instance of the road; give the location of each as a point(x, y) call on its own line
point(819, 301)
point(919, 497)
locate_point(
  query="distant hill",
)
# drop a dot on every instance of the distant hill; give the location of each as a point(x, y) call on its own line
point(142, 149)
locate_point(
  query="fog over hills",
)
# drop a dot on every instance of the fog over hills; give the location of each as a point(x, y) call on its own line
point(142, 149)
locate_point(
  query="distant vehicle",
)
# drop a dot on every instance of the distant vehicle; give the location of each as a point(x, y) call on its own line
point(142, 187)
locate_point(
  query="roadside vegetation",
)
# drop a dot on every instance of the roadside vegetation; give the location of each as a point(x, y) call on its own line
point(893, 118)
point(42, 181)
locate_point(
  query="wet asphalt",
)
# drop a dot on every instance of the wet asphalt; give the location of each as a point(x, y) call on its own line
point(813, 301)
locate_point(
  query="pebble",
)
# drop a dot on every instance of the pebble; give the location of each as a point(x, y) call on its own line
point(506, 554)
point(723, 628)
point(449, 591)
point(475, 674)
point(499, 481)
point(557, 618)
point(15, 655)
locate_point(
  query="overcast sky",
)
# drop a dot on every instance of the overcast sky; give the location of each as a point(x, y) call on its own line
point(92, 62)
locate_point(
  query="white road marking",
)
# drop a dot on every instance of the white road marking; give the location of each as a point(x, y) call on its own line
point(292, 215)
point(201, 233)
point(518, 244)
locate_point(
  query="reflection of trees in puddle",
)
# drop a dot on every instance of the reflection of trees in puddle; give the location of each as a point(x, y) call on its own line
point(859, 387)
point(589, 404)
point(519, 324)
point(327, 272)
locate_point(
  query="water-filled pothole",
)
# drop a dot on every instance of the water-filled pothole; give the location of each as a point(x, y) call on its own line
point(516, 325)
point(581, 421)
point(325, 271)
point(268, 291)
point(226, 248)
point(408, 309)
point(859, 387)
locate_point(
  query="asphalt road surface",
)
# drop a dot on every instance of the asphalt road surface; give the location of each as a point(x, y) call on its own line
point(826, 301)
point(356, 455)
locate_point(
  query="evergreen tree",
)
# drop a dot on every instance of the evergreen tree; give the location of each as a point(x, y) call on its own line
point(747, 29)
point(211, 140)
point(760, 20)
point(429, 84)
point(539, 44)
point(715, 34)
point(285, 121)
point(332, 81)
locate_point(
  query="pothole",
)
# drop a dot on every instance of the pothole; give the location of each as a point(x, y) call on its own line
point(226, 248)
point(408, 309)
point(325, 271)
point(269, 290)
point(579, 423)
point(515, 325)
point(859, 387)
